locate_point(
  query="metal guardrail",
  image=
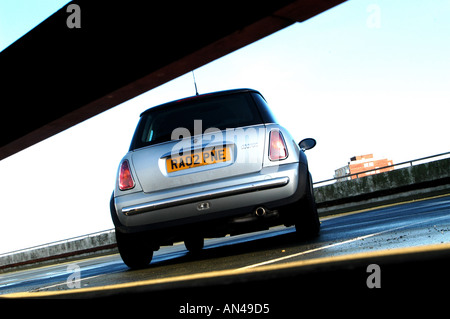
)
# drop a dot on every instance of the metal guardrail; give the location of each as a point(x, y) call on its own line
point(410, 162)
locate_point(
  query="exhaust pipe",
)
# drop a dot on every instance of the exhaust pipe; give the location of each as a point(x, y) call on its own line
point(260, 212)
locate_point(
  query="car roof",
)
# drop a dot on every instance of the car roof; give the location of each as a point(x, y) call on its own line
point(200, 97)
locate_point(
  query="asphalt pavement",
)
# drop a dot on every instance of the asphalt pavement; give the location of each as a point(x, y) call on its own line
point(409, 234)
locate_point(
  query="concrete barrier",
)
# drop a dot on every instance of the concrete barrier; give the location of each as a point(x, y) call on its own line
point(417, 181)
point(414, 182)
point(94, 244)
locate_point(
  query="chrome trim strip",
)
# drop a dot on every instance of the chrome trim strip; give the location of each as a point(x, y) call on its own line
point(206, 195)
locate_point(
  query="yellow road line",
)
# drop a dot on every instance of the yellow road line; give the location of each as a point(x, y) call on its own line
point(383, 206)
point(323, 261)
point(245, 270)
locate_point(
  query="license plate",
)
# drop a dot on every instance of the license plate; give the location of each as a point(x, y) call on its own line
point(198, 158)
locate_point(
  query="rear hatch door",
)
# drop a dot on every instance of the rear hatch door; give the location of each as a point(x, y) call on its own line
point(215, 155)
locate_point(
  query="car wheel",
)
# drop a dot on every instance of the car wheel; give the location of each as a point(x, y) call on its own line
point(194, 244)
point(307, 224)
point(135, 250)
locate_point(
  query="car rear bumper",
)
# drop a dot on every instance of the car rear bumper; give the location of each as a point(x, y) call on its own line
point(269, 188)
point(204, 197)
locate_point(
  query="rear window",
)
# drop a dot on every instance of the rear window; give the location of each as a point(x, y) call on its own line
point(222, 112)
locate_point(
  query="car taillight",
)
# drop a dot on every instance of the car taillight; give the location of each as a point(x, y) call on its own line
point(125, 179)
point(277, 146)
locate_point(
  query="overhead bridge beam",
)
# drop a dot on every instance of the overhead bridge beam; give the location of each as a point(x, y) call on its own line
point(59, 75)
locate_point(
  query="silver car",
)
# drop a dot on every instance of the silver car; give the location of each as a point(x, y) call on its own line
point(208, 166)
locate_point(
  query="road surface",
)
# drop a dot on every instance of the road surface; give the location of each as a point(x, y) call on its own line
point(393, 228)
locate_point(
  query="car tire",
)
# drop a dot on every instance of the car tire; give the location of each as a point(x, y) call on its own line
point(194, 244)
point(135, 250)
point(307, 224)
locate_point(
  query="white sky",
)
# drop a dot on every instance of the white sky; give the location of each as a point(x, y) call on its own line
point(364, 77)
